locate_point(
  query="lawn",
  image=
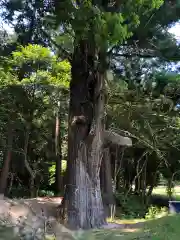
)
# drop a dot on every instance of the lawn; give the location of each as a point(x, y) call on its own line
point(161, 190)
point(166, 228)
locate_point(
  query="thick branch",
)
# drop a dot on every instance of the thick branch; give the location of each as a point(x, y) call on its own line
point(114, 138)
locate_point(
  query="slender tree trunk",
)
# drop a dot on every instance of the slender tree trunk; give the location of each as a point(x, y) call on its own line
point(108, 188)
point(32, 187)
point(136, 182)
point(153, 183)
point(58, 178)
point(7, 161)
point(170, 188)
point(11, 183)
point(83, 202)
point(116, 167)
point(144, 182)
point(27, 165)
point(102, 177)
point(117, 174)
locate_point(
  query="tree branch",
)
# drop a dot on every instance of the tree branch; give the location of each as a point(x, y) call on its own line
point(65, 53)
point(115, 138)
point(134, 55)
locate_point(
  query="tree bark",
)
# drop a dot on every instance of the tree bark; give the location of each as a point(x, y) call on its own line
point(82, 200)
point(58, 152)
point(102, 177)
point(108, 195)
point(7, 161)
point(31, 171)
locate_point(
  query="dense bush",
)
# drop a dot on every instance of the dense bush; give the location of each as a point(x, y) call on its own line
point(130, 206)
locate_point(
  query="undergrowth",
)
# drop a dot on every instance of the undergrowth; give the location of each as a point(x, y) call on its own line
point(130, 206)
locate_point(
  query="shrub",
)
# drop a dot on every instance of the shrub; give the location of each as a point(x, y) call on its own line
point(44, 193)
point(156, 212)
point(131, 206)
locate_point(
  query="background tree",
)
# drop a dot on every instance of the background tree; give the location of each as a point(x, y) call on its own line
point(35, 103)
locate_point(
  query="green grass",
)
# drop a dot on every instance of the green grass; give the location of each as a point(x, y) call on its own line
point(166, 228)
point(161, 190)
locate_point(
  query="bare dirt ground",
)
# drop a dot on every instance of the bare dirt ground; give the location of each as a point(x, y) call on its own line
point(37, 211)
point(33, 215)
point(23, 207)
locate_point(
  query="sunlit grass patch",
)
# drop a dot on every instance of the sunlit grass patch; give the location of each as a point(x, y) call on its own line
point(126, 221)
point(166, 228)
point(161, 190)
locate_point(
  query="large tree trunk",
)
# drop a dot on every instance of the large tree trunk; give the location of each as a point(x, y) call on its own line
point(82, 198)
point(7, 161)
